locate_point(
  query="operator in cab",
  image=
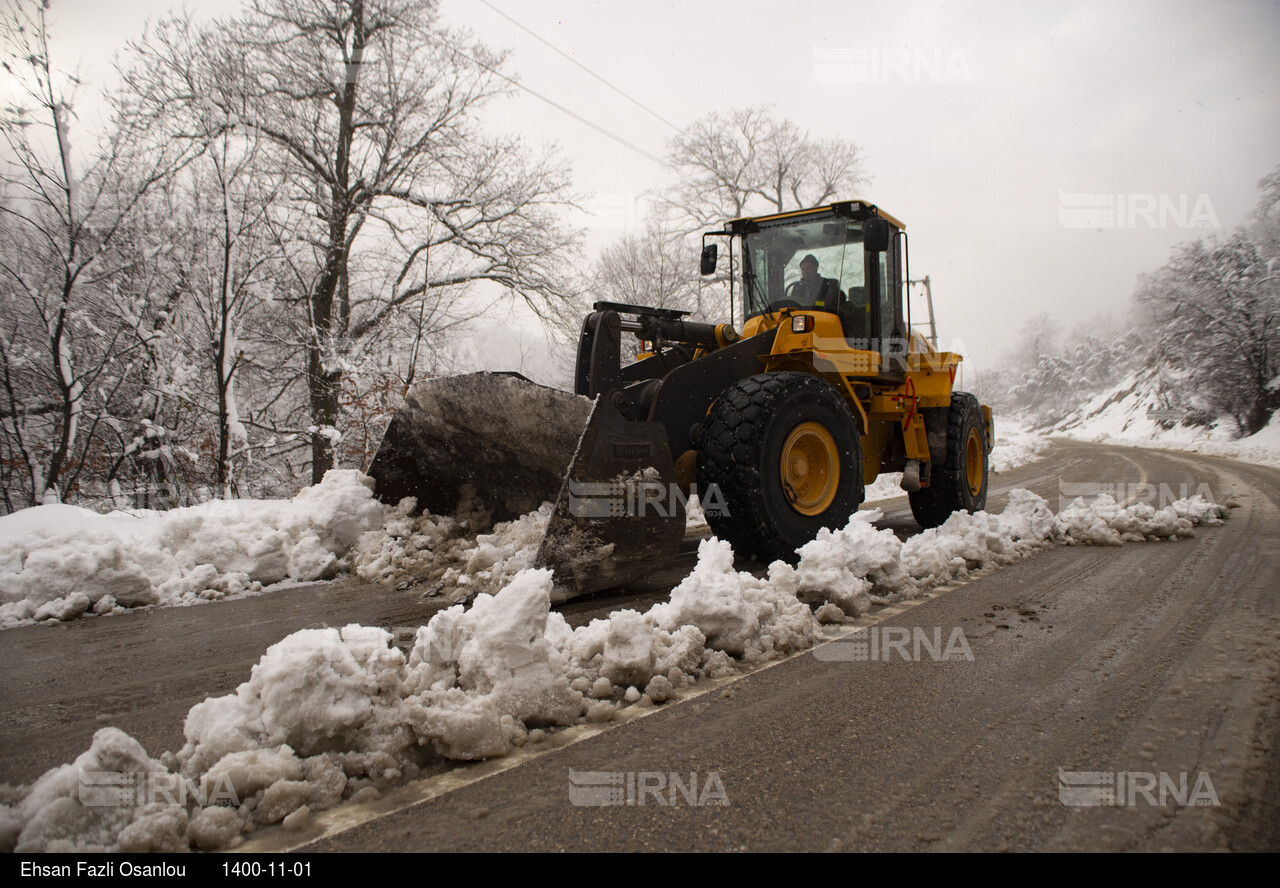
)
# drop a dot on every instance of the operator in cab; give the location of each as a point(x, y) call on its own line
point(813, 291)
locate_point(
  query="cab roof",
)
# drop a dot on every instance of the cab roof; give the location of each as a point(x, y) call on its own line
point(852, 209)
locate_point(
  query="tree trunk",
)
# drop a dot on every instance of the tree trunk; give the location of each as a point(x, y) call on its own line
point(323, 387)
point(330, 311)
point(69, 402)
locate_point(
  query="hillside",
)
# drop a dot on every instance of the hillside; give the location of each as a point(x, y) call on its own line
point(1135, 411)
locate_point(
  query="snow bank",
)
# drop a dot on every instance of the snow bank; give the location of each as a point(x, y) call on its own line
point(329, 715)
point(860, 565)
point(748, 618)
point(58, 561)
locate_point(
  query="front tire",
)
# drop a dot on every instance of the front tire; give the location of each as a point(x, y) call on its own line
point(785, 456)
point(960, 481)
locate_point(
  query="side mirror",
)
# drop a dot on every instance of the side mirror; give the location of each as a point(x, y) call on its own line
point(875, 235)
point(710, 252)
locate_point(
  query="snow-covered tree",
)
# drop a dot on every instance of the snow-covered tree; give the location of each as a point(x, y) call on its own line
point(1217, 309)
point(369, 107)
point(655, 266)
point(80, 307)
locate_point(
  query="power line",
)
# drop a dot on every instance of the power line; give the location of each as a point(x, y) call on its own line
point(561, 108)
point(570, 58)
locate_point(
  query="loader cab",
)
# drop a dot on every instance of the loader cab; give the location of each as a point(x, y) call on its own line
point(858, 252)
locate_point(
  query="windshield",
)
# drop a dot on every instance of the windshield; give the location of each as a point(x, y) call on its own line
point(818, 265)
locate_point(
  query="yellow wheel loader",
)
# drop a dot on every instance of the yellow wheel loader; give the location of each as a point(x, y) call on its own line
point(777, 428)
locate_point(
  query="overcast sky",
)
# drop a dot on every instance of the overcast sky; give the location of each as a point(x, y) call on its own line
point(1016, 140)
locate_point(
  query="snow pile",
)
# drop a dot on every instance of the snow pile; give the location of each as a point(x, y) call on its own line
point(860, 565)
point(965, 542)
point(58, 561)
point(75, 807)
point(315, 690)
point(406, 547)
point(743, 616)
point(329, 715)
point(845, 565)
point(479, 677)
point(445, 554)
point(1103, 522)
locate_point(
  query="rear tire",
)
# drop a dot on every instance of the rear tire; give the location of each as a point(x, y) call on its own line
point(785, 456)
point(960, 481)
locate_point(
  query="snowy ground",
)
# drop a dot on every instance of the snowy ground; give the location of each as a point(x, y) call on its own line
point(329, 715)
point(1119, 415)
point(61, 562)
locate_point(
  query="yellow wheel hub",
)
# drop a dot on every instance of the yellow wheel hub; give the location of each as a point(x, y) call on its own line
point(973, 462)
point(810, 468)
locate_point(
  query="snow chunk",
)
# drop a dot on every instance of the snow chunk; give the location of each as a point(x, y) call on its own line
point(70, 808)
point(845, 565)
point(498, 657)
point(630, 649)
point(444, 553)
point(748, 618)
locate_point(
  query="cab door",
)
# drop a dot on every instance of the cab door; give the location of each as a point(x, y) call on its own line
point(884, 279)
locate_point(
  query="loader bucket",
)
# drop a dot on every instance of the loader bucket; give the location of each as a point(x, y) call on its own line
point(492, 440)
point(498, 442)
point(619, 515)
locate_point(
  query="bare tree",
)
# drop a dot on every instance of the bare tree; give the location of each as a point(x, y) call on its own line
point(655, 267)
point(743, 162)
point(748, 161)
point(75, 334)
point(230, 257)
point(369, 107)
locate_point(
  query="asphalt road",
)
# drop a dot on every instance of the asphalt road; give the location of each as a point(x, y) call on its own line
point(1140, 663)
